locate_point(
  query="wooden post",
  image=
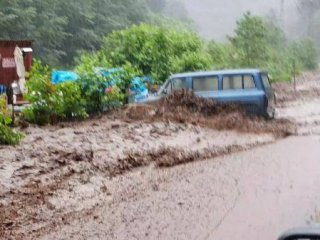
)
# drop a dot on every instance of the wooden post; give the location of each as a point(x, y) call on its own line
point(294, 77)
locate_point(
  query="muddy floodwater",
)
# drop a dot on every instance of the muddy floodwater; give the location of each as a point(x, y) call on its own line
point(167, 175)
point(242, 196)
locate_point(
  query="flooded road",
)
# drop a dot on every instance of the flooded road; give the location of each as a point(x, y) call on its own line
point(280, 190)
point(250, 195)
point(254, 194)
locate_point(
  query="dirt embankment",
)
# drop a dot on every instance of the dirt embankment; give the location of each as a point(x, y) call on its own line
point(60, 173)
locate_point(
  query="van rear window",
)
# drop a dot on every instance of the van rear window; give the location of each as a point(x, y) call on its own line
point(248, 82)
point(234, 82)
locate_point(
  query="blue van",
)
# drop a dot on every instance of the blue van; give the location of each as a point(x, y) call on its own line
point(248, 87)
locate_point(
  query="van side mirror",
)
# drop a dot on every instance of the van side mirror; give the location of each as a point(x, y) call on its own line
point(165, 91)
point(301, 233)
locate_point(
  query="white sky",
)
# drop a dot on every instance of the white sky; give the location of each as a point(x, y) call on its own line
point(216, 18)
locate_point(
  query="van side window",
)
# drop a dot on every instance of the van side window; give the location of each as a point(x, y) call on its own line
point(205, 84)
point(248, 82)
point(179, 83)
point(232, 82)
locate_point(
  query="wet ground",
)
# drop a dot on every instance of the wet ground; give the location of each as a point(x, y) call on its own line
point(242, 196)
point(171, 177)
point(67, 172)
point(256, 194)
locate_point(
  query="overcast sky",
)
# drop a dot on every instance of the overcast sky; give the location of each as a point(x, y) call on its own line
point(217, 18)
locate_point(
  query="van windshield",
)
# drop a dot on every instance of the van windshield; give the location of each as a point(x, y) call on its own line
point(265, 81)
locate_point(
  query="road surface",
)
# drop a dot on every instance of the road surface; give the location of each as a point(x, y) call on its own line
point(252, 195)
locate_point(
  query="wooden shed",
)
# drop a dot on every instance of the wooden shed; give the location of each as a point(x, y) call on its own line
point(8, 71)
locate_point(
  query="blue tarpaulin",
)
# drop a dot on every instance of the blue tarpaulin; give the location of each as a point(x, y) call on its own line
point(108, 73)
point(3, 89)
point(138, 89)
point(63, 76)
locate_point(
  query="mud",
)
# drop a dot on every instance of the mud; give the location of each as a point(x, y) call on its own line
point(63, 172)
point(184, 107)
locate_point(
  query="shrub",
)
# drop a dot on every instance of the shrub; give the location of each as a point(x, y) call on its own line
point(46, 102)
point(8, 136)
point(93, 91)
point(102, 93)
point(155, 51)
point(73, 102)
point(88, 61)
point(51, 103)
point(305, 54)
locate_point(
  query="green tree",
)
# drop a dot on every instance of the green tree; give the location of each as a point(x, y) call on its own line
point(250, 41)
point(155, 51)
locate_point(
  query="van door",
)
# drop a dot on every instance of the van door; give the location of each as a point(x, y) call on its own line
point(173, 85)
point(267, 86)
point(271, 98)
point(205, 86)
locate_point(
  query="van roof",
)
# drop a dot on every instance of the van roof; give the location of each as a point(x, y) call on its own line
point(219, 72)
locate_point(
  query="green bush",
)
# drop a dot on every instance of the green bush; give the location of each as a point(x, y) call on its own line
point(46, 102)
point(88, 61)
point(155, 51)
point(51, 103)
point(93, 91)
point(90, 94)
point(105, 93)
point(305, 53)
point(8, 136)
point(73, 102)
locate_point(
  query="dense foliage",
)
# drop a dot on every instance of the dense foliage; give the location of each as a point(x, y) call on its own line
point(8, 136)
point(62, 28)
point(155, 51)
point(103, 93)
point(50, 103)
point(159, 51)
point(90, 94)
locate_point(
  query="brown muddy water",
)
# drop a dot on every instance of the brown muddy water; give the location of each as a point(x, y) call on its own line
point(255, 194)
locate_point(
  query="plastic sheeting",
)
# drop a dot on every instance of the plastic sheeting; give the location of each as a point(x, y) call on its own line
point(63, 76)
point(108, 73)
point(3, 89)
point(138, 89)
